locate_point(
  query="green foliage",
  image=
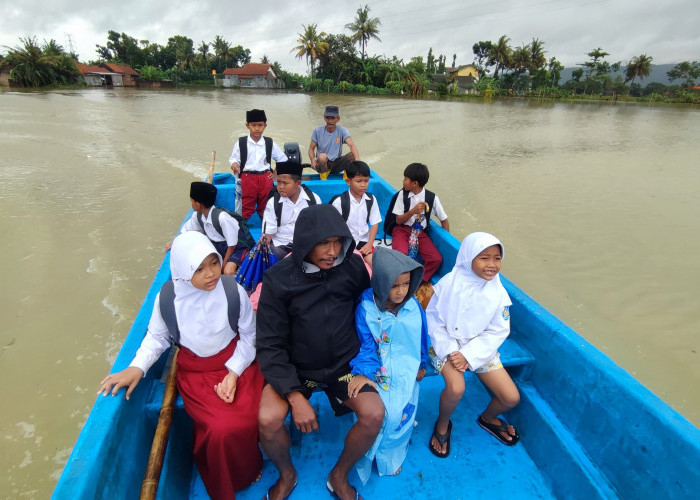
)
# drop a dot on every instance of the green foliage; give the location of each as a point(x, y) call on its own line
point(32, 66)
point(685, 71)
point(311, 45)
point(151, 74)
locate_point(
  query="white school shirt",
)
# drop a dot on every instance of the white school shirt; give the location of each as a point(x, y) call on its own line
point(413, 200)
point(357, 218)
point(157, 339)
point(257, 160)
point(284, 234)
point(229, 226)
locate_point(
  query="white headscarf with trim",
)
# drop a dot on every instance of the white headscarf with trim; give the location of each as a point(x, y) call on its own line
point(198, 312)
point(465, 301)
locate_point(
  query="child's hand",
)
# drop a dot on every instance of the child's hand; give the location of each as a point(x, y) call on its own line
point(366, 250)
point(459, 362)
point(419, 208)
point(357, 383)
point(169, 245)
point(226, 389)
point(235, 168)
point(421, 374)
point(128, 377)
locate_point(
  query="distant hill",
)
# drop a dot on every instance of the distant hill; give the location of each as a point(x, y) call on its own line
point(658, 74)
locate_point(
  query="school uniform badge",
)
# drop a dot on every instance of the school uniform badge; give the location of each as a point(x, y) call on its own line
point(506, 313)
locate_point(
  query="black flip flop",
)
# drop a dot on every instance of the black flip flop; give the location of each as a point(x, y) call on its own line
point(496, 430)
point(442, 439)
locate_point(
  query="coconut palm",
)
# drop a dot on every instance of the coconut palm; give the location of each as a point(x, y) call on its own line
point(638, 67)
point(311, 45)
point(537, 58)
point(500, 54)
point(221, 48)
point(364, 28)
point(32, 67)
point(203, 54)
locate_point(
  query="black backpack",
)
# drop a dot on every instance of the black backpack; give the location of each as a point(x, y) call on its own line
point(345, 204)
point(278, 206)
point(245, 239)
point(243, 146)
point(390, 218)
point(167, 306)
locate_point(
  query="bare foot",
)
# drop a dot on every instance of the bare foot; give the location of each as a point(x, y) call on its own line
point(283, 487)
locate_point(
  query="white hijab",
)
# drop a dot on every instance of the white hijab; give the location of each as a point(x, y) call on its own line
point(465, 301)
point(198, 312)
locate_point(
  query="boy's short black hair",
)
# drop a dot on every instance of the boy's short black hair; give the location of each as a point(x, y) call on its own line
point(417, 172)
point(357, 168)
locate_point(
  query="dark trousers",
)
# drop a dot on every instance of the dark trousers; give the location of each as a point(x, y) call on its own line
point(426, 249)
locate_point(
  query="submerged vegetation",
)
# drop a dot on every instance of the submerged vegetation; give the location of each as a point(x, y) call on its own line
point(335, 65)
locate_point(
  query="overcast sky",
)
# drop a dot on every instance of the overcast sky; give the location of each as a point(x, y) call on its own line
point(667, 30)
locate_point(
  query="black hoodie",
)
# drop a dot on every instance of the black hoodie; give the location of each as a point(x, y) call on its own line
point(305, 320)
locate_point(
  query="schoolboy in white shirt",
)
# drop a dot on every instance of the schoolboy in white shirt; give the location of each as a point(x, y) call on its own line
point(252, 157)
point(359, 208)
point(283, 207)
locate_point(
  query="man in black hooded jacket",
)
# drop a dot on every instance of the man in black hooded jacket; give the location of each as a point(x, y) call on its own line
point(305, 340)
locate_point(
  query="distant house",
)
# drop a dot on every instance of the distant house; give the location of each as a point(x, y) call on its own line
point(464, 77)
point(253, 75)
point(5, 77)
point(97, 75)
point(129, 76)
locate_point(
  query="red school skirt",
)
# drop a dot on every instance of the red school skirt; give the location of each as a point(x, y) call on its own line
point(226, 449)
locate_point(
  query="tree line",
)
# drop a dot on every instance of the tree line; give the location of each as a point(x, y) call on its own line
point(339, 62)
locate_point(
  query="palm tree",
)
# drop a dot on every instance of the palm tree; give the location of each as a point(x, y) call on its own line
point(221, 48)
point(500, 54)
point(203, 54)
point(32, 67)
point(364, 28)
point(638, 67)
point(520, 62)
point(311, 45)
point(537, 58)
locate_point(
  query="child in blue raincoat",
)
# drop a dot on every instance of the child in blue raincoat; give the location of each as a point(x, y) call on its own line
point(393, 355)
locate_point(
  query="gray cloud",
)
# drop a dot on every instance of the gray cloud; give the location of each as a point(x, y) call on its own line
point(667, 31)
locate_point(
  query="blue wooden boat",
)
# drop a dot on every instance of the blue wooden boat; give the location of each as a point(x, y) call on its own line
point(589, 429)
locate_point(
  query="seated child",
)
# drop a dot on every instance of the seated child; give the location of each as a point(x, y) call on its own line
point(217, 374)
point(393, 353)
point(468, 320)
point(252, 156)
point(359, 208)
point(207, 218)
point(413, 206)
point(284, 205)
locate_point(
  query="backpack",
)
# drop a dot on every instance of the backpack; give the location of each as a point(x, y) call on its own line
point(390, 218)
point(243, 146)
point(345, 204)
point(278, 206)
point(167, 306)
point(245, 239)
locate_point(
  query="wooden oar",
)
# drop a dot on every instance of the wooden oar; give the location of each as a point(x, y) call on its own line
point(149, 486)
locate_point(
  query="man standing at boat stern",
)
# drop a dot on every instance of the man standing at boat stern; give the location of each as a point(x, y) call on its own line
point(305, 340)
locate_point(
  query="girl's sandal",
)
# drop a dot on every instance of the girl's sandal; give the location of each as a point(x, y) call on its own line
point(442, 439)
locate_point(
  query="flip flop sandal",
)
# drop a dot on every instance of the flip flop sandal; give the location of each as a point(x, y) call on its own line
point(496, 430)
point(335, 495)
point(267, 496)
point(442, 439)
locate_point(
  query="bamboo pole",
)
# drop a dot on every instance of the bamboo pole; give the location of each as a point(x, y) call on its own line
point(210, 177)
point(149, 487)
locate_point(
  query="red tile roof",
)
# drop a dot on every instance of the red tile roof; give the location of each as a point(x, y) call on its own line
point(86, 68)
point(123, 69)
point(250, 69)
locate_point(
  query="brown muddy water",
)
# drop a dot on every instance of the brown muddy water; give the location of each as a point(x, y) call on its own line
point(596, 204)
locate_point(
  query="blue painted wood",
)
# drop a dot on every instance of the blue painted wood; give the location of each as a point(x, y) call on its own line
point(589, 430)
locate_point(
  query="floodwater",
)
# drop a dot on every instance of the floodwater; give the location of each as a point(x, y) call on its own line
point(596, 204)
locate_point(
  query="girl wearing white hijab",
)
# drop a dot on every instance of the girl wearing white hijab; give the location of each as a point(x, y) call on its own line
point(217, 374)
point(468, 320)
